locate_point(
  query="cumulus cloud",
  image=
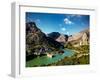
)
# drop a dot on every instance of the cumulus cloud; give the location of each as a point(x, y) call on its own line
point(67, 33)
point(63, 29)
point(67, 21)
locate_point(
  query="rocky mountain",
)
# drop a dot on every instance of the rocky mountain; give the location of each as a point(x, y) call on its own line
point(37, 41)
point(62, 38)
point(81, 38)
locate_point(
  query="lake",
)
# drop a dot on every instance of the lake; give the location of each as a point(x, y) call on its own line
point(44, 60)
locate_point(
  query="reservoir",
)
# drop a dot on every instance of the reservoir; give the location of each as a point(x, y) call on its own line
point(44, 60)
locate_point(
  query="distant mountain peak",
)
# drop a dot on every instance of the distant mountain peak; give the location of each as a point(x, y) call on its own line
point(62, 38)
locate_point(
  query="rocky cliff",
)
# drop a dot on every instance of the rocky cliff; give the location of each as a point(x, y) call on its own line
point(81, 38)
point(62, 38)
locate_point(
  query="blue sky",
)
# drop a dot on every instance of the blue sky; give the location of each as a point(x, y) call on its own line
point(63, 23)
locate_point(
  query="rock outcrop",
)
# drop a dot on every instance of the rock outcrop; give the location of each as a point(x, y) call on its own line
point(62, 38)
point(81, 38)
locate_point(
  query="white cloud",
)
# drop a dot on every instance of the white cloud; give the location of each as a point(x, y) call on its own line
point(63, 29)
point(67, 21)
point(67, 33)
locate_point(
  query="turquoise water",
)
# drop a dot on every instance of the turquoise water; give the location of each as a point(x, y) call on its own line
point(44, 60)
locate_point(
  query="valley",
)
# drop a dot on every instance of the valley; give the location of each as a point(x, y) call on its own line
point(55, 49)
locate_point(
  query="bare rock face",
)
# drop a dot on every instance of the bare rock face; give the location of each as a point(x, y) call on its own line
point(85, 39)
point(81, 38)
point(61, 38)
point(74, 37)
